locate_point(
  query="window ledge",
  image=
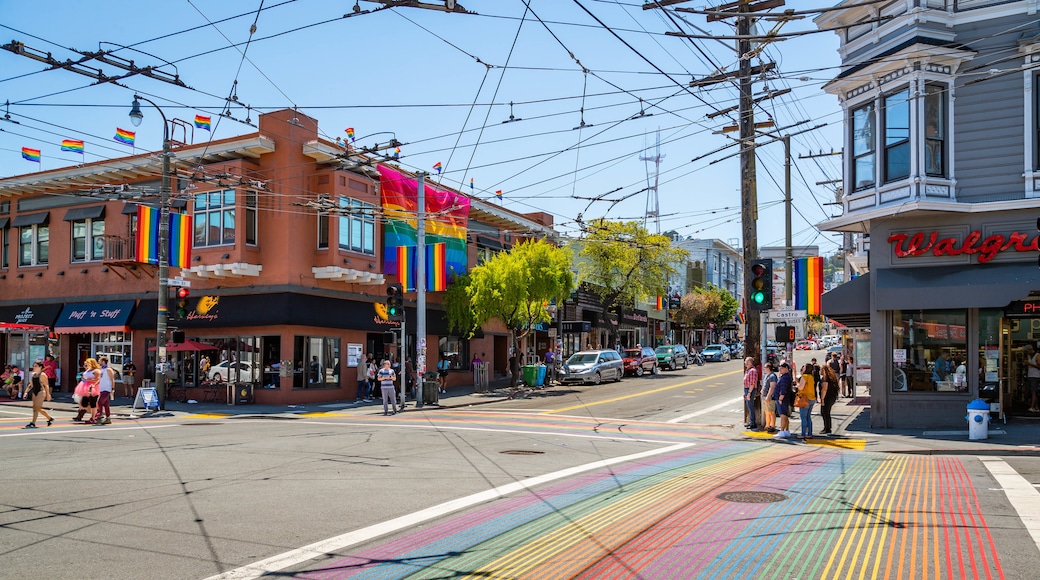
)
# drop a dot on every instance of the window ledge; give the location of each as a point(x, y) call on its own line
point(1032, 179)
point(348, 275)
point(236, 270)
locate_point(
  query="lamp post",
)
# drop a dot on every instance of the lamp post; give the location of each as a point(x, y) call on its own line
point(136, 116)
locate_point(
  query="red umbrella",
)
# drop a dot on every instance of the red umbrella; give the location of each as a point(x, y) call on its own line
point(187, 345)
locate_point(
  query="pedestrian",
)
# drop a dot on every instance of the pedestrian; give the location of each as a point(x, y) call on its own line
point(1033, 377)
point(805, 400)
point(50, 368)
point(769, 394)
point(362, 379)
point(550, 366)
point(8, 382)
point(17, 379)
point(442, 372)
point(38, 391)
point(410, 378)
point(386, 378)
point(850, 378)
point(130, 371)
point(843, 376)
point(817, 377)
point(371, 371)
point(106, 383)
point(784, 396)
point(751, 389)
point(91, 378)
point(829, 395)
point(315, 371)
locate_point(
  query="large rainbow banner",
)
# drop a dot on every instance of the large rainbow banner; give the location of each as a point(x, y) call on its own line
point(447, 217)
point(808, 284)
point(147, 242)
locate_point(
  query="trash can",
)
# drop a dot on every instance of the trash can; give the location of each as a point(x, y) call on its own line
point(542, 369)
point(430, 385)
point(244, 394)
point(978, 420)
point(530, 375)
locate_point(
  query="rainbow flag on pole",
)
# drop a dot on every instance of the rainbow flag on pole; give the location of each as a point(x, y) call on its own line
point(31, 154)
point(350, 134)
point(179, 255)
point(808, 284)
point(660, 303)
point(147, 242)
point(72, 146)
point(498, 194)
point(437, 166)
point(202, 122)
point(125, 137)
point(406, 267)
point(437, 267)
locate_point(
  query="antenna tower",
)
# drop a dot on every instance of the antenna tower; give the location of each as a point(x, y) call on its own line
point(653, 202)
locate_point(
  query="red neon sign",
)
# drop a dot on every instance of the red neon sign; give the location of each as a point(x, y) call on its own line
point(919, 243)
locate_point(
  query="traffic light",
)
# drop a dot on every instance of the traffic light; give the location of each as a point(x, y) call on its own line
point(760, 292)
point(395, 302)
point(785, 334)
point(182, 302)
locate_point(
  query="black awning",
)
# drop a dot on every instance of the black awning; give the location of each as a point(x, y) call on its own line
point(129, 209)
point(849, 303)
point(84, 213)
point(32, 219)
point(4, 222)
point(968, 286)
point(486, 242)
point(42, 314)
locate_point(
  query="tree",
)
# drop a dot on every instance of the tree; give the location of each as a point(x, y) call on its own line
point(706, 305)
point(514, 287)
point(626, 263)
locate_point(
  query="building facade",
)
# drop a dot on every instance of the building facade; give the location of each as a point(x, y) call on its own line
point(286, 275)
point(941, 166)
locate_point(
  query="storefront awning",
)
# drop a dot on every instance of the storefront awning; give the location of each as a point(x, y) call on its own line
point(849, 303)
point(969, 286)
point(33, 314)
point(94, 317)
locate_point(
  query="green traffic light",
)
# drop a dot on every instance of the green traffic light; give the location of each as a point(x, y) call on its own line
point(758, 297)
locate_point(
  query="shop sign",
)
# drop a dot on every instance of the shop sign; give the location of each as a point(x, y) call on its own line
point(919, 243)
point(634, 317)
point(577, 327)
point(1023, 308)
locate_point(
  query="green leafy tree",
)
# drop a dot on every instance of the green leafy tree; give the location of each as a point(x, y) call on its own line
point(624, 262)
point(729, 306)
point(706, 305)
point(514, 287)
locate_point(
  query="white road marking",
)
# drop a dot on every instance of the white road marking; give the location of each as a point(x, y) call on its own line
point(1024, 497)
point(65, 430)
point(318, 549)
point(705, 411)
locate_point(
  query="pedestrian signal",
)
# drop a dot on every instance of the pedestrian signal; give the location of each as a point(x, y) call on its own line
point(785, 334)
point(760, 289)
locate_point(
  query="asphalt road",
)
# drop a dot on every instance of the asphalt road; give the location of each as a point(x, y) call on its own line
point(616, 480)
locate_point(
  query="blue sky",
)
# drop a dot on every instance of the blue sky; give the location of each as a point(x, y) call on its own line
point(422, 75)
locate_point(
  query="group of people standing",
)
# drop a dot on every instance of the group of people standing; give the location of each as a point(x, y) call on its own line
point(782, 392)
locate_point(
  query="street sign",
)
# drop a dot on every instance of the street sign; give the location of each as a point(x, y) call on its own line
point(179, 282)
point(787, 315)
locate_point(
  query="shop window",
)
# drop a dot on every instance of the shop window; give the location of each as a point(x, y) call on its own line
point(455, 350)
point(897, 136)
point(863, 147)
point(485, 254)
point(114, 345)
point(988, 372)
point(88, 240)
point(234, 359)
point(316, 362)
point(357, 226)
point(4, 247)
point(34, 245)
point(323, 231)
point(935, 130)
point(214, 217)
point(929, 350)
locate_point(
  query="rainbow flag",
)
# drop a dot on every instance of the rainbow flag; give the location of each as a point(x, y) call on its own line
point(350, 134)
point(498, 194)
point(406, 267)
point(438, 167)
point(147, 242)
point(202, 122)
point(808, 284)
point(397, 152)
point(72, 145)
point(180, 240)
point(437, 267)
point(660, 303)
point(31, 154)
point(471, 185)
point(125, 137)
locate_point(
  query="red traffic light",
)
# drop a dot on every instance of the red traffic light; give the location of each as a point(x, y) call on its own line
point(183, 293)
point(758, 269)
point(394, 290)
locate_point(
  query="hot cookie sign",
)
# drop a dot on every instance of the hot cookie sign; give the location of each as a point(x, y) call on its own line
point(904, 244)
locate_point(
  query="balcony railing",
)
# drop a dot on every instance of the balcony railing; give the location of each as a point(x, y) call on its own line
point(119, 249)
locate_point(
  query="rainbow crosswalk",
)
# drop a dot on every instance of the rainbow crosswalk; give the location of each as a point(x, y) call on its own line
point(847, 514)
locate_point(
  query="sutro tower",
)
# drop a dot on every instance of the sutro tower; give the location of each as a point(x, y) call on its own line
point(653, 202)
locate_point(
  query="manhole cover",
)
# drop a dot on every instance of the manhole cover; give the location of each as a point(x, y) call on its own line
point(751, 496)
point(521, 452)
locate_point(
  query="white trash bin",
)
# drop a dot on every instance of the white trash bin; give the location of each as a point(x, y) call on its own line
point(978, 420)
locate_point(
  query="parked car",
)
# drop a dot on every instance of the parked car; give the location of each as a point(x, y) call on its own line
point(805, 345)
point(239, 371)
point(716, 352)
point(639, 361)
point(772, 354)
point(736, 350)
point(593, 366)
point(672, 356)
point(834, 348)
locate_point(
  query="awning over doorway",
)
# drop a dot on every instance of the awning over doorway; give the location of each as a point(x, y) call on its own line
point(95, 317)
point(31, 314)
point(849, 303)
point(968, 286)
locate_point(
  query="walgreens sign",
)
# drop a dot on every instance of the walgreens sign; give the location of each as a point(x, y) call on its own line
point(920, 243)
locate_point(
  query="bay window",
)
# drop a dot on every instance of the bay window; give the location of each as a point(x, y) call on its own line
point(863, 147)
point(897, 136)
point(215, 218)
point(935, 130)
point(357, 226)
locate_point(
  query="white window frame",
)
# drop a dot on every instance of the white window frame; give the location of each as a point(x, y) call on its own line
point(35, 243)
point(209, 211)
point(355, 213)
point(91, 251)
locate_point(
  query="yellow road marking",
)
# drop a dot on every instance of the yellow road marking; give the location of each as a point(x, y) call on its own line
point(855, 444)
point(758, 434)
point(209, 415)
point(641, 393)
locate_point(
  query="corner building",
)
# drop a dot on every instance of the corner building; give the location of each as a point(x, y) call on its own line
point(942, 183)
point(286, 272)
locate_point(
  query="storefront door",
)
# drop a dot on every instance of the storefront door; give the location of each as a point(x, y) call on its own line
point(1012, 372)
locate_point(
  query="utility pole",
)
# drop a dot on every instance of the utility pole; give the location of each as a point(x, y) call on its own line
point(420, 284)
point(748, 193)
point(788, 257)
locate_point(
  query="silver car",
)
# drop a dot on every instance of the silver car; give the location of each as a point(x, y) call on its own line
point(593, 366)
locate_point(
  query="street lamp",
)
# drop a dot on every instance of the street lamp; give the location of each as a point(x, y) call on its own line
point(136, 116)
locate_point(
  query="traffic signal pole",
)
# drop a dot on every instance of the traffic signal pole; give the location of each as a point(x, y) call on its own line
point(420, 284)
